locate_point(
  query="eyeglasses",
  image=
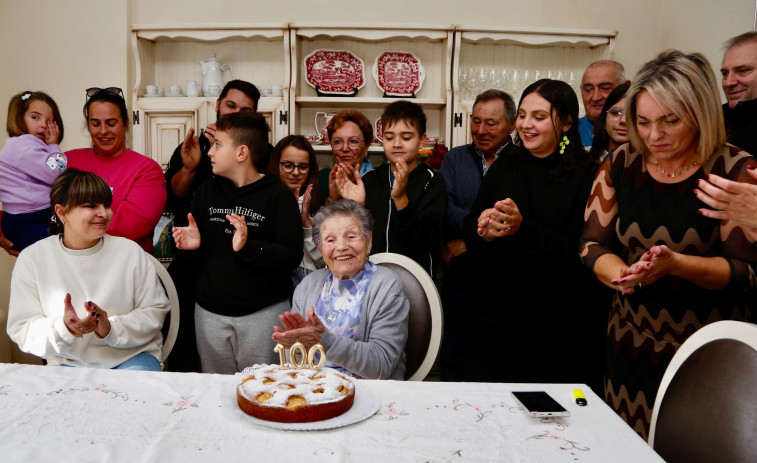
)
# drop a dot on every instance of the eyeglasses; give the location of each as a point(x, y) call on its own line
point(288, 167)
point(115, 91)
point(353, 143)
point(616, 113)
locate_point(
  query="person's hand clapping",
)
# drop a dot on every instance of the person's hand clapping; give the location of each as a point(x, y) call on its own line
point(190, 151)
point(730, 200)
point(346, 187)
point(79, 327)
point(399, 189)
point(654, 264)
point(240, 235)
point(501, 220)
point(309, 332)
point(188, 237)
point(307, 221)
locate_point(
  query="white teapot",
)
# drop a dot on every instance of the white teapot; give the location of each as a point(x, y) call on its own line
point(213, 69)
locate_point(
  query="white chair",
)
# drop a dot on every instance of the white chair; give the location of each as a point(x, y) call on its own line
point(424, 336)
point(173, 297)
point(706, 406)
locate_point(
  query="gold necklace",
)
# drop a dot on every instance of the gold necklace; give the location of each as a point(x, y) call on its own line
point(676, 173)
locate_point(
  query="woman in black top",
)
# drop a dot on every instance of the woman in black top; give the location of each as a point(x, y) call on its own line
point(532, 303)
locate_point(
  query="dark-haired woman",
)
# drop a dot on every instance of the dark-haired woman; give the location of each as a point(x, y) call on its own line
point(293, 161)
point(610, 130)
point(82, 297)
point(137, 183)
point(531, 314)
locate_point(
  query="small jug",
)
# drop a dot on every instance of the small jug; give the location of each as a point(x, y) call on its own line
point(193, 88)
point(321, 122)
point(212, 70)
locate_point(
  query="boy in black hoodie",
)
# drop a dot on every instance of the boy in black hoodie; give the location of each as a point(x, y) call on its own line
point(407, 199)
point(247, 233)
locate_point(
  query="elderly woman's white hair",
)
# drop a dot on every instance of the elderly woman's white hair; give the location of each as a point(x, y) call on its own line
point(685, 85)
point(342, 208)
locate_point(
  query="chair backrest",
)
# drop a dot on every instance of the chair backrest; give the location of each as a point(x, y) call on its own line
point(706, 407)
point(173, 297)
point(424, 335)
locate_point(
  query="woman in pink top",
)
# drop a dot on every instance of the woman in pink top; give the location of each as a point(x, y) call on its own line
point(137, 183)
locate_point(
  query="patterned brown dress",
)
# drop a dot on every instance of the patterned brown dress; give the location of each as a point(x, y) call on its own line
point(627, 213)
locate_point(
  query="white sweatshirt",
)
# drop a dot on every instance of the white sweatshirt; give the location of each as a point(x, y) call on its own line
point(116, 274)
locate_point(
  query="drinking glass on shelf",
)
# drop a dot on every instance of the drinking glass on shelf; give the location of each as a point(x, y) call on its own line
point(527, 76)
point(573, 82)
point(517, 75)
point(482, 75)
point(464, 77)
point(505, 79)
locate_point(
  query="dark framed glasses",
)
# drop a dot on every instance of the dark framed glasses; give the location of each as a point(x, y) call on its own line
point(288, 167)
point(115, 91)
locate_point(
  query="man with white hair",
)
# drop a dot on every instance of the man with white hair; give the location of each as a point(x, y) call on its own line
point(598, 81)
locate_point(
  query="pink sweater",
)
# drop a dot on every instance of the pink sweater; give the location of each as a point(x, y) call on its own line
point(139, 191)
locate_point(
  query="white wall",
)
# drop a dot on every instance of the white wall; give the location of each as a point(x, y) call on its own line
point(64, 47)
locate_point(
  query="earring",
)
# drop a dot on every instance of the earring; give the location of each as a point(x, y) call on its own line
point(564, 143)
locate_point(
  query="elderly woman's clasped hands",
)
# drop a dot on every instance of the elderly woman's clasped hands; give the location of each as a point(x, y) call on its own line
point(297, 329)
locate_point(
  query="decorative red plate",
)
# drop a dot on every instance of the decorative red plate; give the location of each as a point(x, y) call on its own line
point(337, 72)
point(398, 73)
point(379, 131)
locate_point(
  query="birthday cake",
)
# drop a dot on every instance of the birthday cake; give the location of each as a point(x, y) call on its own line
point(289, 395)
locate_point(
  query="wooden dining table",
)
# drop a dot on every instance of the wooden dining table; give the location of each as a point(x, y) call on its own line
point(81, 414)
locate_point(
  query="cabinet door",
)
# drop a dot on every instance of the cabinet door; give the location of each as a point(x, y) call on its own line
point(166, 131)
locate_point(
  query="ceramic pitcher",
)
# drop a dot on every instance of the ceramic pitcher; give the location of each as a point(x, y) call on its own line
point(212, 70)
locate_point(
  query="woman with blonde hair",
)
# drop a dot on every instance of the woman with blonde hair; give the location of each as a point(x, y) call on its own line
point(672, 269)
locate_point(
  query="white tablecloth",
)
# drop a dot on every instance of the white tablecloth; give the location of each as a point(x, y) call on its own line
point(81, 414)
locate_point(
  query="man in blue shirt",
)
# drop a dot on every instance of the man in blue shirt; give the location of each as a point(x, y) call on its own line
point(598, 81)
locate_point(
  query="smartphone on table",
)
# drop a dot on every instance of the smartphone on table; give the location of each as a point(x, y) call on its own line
point(540, 404)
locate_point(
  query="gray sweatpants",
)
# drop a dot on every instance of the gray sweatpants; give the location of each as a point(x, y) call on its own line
point(230, 344)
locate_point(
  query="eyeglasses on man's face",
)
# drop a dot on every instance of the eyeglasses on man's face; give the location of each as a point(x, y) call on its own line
point(352, 143)
point(289, 167)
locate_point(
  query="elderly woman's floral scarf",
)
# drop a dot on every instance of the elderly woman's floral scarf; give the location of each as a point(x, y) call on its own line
point(340, 302)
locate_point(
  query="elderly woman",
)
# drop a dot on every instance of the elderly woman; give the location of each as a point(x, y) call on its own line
point(356, 310)
point(82, 297)
point(137, 183)
point(610, 131)
point(522, 233)
point(350, 135)
point(672, 269)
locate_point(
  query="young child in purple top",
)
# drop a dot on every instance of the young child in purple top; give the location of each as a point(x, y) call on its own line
point(30, 162)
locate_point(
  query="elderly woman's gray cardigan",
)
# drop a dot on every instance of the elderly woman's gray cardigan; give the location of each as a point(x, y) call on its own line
point(378, 351)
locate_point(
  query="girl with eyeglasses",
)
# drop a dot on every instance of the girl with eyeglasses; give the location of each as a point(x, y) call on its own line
point(137, 182)
point(293, 161)
point(610, 130)
point(29, 164)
